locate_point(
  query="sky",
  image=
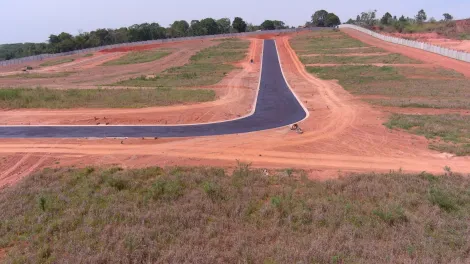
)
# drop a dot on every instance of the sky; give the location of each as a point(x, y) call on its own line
point(35, 20)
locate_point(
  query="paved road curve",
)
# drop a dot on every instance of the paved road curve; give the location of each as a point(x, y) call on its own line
point(276, 106)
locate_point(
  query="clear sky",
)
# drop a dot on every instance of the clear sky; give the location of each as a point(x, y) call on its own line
point(35, 20)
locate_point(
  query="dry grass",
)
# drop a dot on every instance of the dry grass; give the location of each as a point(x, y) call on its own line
point(30, 75)
point(138, 57)
point(99, 98)
point(363, 50)
point(450, 133)
point(403, 92)
point(56, 62)
point(207, 67)
point(324, 40)
point(386, 59)
point(182, 215)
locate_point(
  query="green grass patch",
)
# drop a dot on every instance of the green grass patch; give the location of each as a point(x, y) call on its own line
point(386, 59)
point(56, 62)
point(207, 67)
point(37, 75)
point(179, 214)
point(448, 132)
point(99, 98)
point(363, 50)
point(136, 57)
point(323, 41)
point(88, 55)
point(350, 75)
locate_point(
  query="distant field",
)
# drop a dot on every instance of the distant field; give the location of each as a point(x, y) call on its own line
point(207, 67)
point(56, 62)
point(138, 57)
point(99, 98)
point(186, 215)
point(406, 87)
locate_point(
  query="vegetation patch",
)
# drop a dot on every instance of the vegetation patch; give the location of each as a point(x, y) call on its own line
point(136, 57)
point(324, 40)
point(386, 59)
point(207, 67)
point(178, 214)
point(449, 133)
point(56, 62)
point(30, 75)
point(99, 98)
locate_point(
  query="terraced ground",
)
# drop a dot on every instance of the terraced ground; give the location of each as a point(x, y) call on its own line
point(406, 87)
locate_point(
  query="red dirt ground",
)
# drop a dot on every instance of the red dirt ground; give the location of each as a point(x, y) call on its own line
point(342, 133)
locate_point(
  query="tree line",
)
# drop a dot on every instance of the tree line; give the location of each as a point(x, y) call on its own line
point(369, 19)
point(64, 42)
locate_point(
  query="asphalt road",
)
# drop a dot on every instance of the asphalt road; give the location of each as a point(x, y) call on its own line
point(276, 106)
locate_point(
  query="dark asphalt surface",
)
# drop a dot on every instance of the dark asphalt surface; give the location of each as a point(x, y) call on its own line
point(276, 106)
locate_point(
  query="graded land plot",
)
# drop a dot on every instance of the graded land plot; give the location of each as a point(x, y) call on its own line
point(99, 98)
point(90, 74)
point(231, 98)
point(56, 62)
point(448, 133)
point(138, 57)
point(207, 67)
point(405, 87)
point(183, 214)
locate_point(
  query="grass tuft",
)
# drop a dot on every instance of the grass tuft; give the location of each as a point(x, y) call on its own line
point(136, 57)
point(56, 62)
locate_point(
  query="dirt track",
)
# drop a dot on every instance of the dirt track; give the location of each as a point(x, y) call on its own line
point(341, 134)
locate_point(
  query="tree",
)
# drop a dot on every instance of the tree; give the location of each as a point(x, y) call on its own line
point(239, 25)
point(350, 21)
point(210, 26)
point(179, 29)
point(318, 19)
point(358, 18)
point(268, 25)
point(368, 18)
point(53, 39)
point(251, 28)
point(402, 19)
point(279, 24)
point(421, 16)
point(448, 17)
point(386, 19)
point(224, 25)
point(332, 20)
